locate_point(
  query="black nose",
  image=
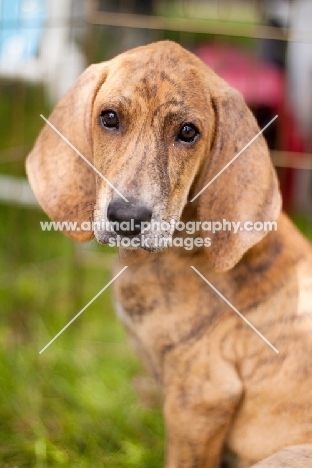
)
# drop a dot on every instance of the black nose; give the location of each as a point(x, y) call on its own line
point(127, 217)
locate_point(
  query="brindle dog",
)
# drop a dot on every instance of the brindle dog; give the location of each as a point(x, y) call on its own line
point(159, 125)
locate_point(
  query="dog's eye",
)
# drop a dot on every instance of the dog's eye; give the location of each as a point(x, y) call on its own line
point(187, 133)
point(109, 119)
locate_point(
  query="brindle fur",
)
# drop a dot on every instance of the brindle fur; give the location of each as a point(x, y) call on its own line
point(222, 385)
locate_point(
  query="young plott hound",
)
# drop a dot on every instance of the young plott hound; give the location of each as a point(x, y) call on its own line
point(159, 125)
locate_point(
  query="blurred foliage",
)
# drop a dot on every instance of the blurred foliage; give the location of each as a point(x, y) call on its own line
point(304, 224)
point(74, 405)
point(20, 122)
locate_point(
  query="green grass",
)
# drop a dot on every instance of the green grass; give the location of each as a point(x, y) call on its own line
point(304, 224)
point(74, 405)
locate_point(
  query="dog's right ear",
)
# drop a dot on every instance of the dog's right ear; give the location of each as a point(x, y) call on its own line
point(63, 182)
point(247, 191)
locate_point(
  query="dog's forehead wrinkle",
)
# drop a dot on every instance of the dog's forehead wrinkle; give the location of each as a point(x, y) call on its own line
point(155, 68)
point(164, 105)
point(155, 55)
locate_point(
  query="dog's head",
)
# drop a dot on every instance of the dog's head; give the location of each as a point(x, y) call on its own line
point(157, 125)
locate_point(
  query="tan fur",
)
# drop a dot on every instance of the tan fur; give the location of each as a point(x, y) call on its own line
point(222, 385)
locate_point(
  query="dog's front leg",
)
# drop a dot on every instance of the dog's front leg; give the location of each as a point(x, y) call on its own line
point(199, 401)
point(194, 437)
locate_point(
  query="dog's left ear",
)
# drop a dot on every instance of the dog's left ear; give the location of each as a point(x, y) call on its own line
point(247, 190)
point(63, 182)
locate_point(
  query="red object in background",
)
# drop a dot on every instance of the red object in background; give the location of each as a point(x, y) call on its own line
point(262, 84)
point(263, 87)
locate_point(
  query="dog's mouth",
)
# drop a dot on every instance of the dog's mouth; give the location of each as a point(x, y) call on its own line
point(153, 236)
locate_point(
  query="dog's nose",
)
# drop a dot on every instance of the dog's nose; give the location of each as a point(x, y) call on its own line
point(128, 216)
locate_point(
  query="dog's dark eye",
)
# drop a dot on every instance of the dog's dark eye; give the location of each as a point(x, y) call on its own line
point(109, 119)
point(187, 133)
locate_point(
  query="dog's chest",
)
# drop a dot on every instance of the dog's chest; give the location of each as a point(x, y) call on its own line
point(141, 305)
point(162, 308)
point(141, 297)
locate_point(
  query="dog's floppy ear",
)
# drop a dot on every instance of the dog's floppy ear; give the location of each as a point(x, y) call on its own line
point(247, 190)
point(63, 182)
